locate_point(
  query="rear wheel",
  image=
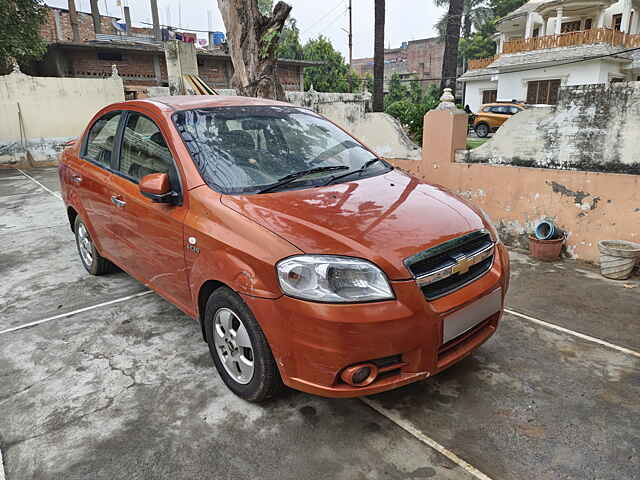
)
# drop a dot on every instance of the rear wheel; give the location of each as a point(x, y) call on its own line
point(482, 130)
point(239, 348)
point(91, 259)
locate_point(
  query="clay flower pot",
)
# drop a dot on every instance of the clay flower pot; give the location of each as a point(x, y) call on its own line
point(547, 250)
point(617, 258)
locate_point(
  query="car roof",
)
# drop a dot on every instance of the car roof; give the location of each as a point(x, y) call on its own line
point(188, 102)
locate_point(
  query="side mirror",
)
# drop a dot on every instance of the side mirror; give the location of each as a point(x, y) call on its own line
point(157, 187)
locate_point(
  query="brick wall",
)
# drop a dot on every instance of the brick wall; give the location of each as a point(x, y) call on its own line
point(425, 59)
point(85, 26)
point(212, 71)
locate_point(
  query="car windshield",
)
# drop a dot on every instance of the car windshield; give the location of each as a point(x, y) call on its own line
point(266, 148)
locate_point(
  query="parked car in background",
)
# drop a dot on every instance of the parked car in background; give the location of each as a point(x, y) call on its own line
point(306, 259)
point(492, 115)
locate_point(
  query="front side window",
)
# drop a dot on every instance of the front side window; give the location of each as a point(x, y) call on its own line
point(101, 138)
point(144, 150)
point(249, 149)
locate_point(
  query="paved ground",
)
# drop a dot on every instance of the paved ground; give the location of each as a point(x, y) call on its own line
point(128, 390)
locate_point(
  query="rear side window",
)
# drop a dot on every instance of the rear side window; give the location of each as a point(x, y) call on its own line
point(101, 139)
point(502, 110)
point(144, 150)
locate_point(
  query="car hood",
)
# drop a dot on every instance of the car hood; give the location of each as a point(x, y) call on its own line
point(384, 219)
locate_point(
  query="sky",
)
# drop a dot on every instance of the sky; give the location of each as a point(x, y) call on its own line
point(405, 19)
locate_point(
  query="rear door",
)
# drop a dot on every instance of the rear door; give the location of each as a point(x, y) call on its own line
point(150, 235)
point(499, 115)
point(90, 178)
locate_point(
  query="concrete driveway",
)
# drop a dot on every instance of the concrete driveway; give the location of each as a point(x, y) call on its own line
point(101, 379)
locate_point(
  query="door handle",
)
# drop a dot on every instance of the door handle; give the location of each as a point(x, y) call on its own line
point(76, 178)
point(117, 202)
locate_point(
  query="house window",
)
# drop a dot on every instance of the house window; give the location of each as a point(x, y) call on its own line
point(588, 23)
point(489, 96)
point(110, 56)
point(570, 27)
point(616, 80)
point(536, 32)
point(543, 91)
point(617, 22)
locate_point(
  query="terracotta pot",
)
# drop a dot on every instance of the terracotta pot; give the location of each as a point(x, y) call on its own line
point(547, 250)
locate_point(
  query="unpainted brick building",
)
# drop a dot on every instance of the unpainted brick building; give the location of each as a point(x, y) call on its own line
point(140, 60)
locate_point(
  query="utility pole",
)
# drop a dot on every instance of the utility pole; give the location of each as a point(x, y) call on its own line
point(350, 35)
point(73, 19)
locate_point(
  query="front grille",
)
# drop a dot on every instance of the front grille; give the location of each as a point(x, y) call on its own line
point(451, 265)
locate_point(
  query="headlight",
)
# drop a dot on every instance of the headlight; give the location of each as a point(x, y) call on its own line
point(492, 229)
point(326, 278)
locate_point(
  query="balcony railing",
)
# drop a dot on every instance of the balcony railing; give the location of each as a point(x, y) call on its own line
point(571, 39)
point(481, 62)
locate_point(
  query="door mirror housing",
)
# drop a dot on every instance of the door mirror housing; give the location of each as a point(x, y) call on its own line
point(157, 187)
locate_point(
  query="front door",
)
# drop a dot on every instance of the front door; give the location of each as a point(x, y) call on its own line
point(150, 234)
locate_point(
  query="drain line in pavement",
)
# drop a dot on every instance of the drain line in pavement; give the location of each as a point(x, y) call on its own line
point(409, 428)
point(1, 467)
point(74, 312)
point(55, 194)
point(558, 328)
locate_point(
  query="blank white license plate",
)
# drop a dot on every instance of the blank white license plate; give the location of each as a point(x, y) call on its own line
point(465, 319)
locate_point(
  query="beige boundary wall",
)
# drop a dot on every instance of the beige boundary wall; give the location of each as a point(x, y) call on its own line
point(52, 110)
point(589, 206)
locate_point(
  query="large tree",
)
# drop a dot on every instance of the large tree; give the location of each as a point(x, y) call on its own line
point(20, 23)
point(334, 75)
point(452, 37)
point(253, 40)
point(378, 57)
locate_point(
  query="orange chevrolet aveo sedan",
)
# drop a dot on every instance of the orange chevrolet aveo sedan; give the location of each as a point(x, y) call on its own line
point(307, 259)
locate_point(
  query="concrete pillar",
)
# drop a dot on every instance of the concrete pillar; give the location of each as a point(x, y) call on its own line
point(127, 19)
point(57, 23)
point(95, 13)
point(558, 21)
point(73, 20)
point(181, 60)
point(543, 27)
point(600, 20)
point(528, 31)
point(156, 69)
point(156, 20)
point(301, 79)
point(626, 15)
point(444, 132)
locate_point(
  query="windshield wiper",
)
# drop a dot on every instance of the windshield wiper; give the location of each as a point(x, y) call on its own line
point(352, 172)
point(294, 176)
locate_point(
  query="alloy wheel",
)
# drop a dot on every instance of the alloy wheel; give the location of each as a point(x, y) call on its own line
point(233, 345)
point(84, 242)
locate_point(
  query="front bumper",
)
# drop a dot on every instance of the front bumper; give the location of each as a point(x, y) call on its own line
point(313, 342)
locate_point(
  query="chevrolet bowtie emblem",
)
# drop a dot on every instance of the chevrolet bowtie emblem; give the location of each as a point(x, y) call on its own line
point(462, 265)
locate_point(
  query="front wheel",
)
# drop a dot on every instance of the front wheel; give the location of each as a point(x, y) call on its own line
point(239, 348)
point(482, 130)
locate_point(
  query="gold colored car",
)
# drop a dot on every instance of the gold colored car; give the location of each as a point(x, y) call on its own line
point(493, 115)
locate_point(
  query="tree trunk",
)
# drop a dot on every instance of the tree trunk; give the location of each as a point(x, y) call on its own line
point(450, 58)
point(378, 58)
point(253, 41)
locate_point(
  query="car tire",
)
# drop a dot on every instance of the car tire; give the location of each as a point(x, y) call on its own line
point(239, 348)
point(482, 130)
point(89, 256)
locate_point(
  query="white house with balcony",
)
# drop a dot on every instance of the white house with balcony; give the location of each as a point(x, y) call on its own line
point(547, 44)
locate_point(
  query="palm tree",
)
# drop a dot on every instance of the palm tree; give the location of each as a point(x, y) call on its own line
point(378, 57)
point(452, 36)
point(475, 14)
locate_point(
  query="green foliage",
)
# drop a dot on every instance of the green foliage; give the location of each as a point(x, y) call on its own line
point(501, 8)
point(265, 6)
point(20, 22)
point(334, 75)
point(290, 46)
point(410, 111)
point(397, 91)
